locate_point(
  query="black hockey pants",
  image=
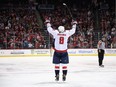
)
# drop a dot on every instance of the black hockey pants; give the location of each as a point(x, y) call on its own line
point(100, 56)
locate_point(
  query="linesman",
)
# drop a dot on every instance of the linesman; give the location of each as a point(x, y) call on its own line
point(101, 51)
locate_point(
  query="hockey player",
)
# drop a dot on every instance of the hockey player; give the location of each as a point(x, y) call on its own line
point(101, 51)
point(60, 56)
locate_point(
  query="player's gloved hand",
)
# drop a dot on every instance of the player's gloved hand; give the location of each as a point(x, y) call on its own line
point(47, 21)
point(74, 22)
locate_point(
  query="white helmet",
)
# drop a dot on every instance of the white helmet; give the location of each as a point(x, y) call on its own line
point(61, 29)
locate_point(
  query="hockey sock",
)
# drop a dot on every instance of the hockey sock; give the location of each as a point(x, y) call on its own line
point(64, 70)
point(57, 69)
point(57, 72)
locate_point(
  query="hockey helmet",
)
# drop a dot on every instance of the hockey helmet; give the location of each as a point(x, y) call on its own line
point(61, 29)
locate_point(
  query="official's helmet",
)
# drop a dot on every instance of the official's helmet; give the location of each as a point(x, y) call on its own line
point(61, 29)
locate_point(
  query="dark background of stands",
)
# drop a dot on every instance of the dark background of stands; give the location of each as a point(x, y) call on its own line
point(100, 15)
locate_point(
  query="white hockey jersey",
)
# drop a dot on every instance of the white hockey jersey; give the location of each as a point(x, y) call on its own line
point(61, 39)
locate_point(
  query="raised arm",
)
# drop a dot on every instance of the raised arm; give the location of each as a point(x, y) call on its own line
point(49, 28)
point(72, 31)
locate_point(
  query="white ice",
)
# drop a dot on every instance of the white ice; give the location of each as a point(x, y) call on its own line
point(83, 71)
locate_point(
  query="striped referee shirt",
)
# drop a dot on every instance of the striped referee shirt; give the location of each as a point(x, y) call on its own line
point(101, 45)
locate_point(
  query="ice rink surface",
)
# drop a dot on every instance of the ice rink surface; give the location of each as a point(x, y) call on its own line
point(83, 71)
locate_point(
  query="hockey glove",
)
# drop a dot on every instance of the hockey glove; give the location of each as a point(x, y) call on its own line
point(74, 22)
point(47, 21)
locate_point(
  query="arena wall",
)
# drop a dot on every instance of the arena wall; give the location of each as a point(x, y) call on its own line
point(49, 52)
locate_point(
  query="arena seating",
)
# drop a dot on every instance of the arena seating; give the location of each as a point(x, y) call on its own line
point(19, 28)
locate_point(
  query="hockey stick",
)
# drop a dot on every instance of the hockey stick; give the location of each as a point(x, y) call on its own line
point(68, 10)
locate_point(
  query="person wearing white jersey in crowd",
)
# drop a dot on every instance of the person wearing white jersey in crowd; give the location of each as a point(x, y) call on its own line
point(60, 56)
point(101, 51)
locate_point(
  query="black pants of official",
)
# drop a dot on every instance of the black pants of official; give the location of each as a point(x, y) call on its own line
point(100, 56)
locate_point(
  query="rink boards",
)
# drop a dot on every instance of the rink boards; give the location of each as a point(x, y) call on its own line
point(49, 52)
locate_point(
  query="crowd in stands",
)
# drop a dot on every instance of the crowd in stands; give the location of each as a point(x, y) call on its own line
point(19, 29)
point(108, 27)
point(83, 38)
point(85, 33)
